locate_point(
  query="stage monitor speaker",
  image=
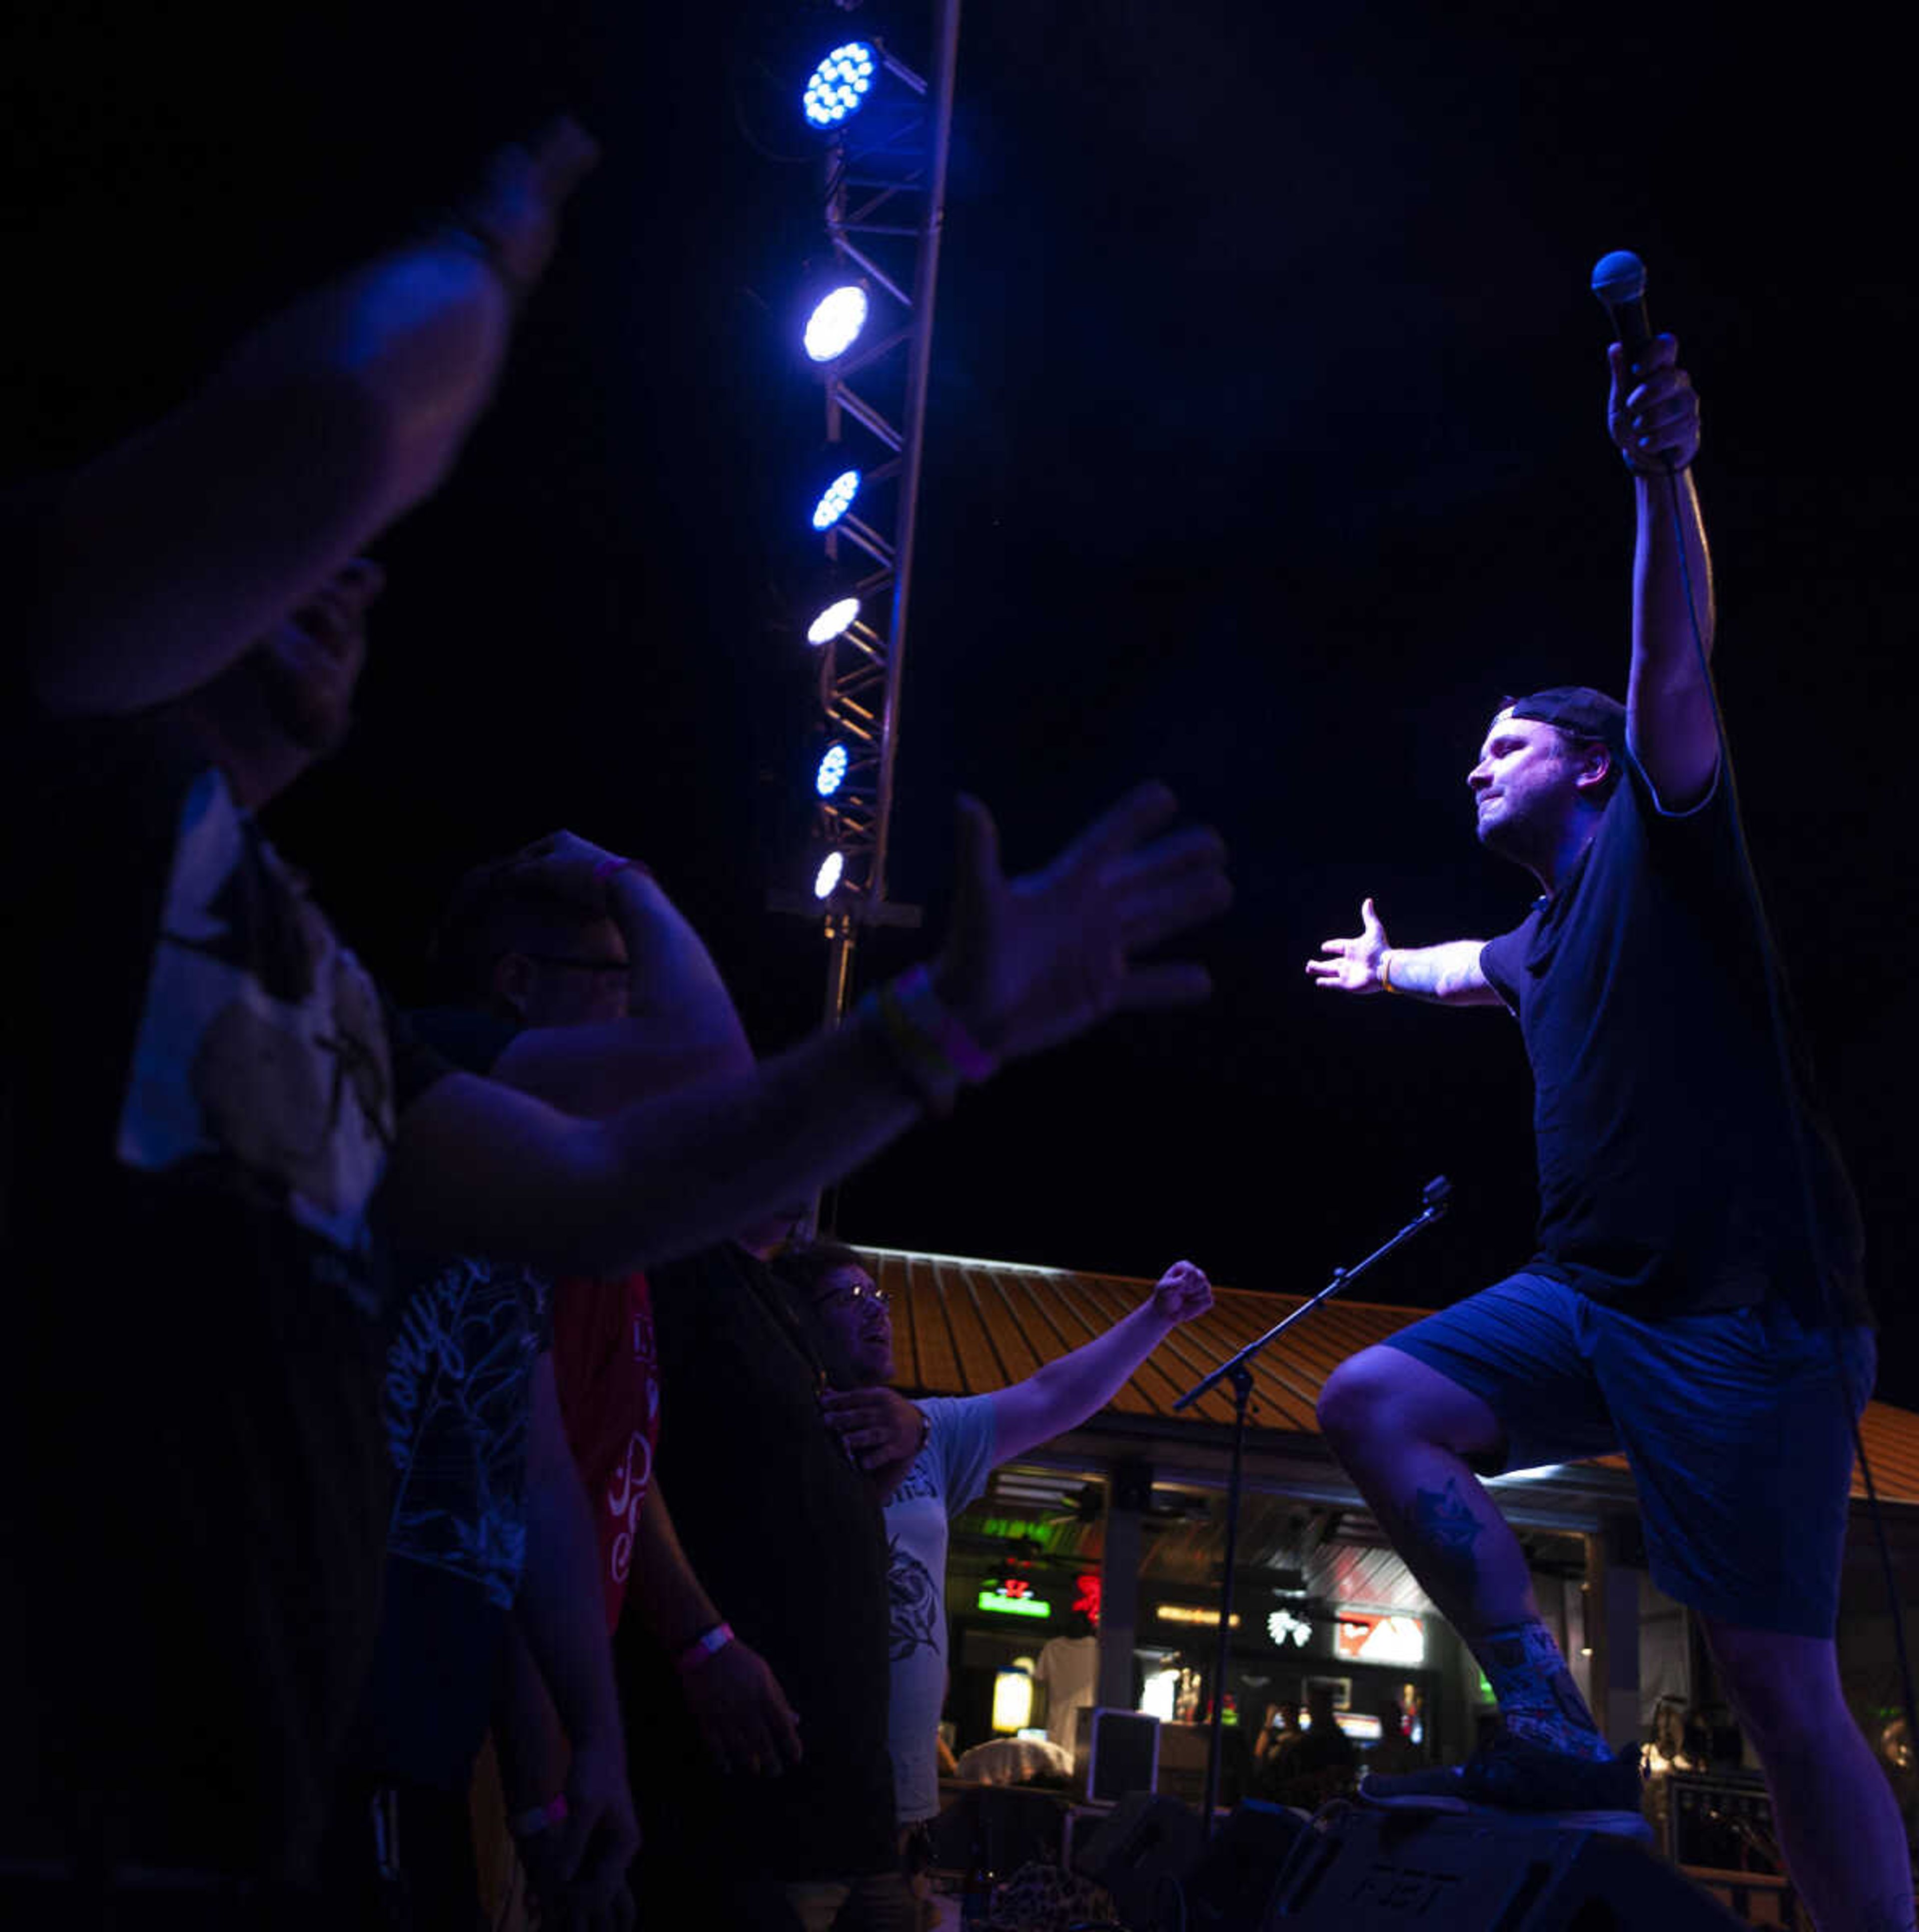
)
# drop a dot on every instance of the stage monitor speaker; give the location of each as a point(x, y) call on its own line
point(1117, 1750)
point(1230, 1888)
point(1383, 1871)
point(1146, 1845)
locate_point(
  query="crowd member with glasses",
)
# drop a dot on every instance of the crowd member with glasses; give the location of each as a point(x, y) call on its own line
point(567, 971)
point(752, 1654)
point(573, 972)
point(957, 1443)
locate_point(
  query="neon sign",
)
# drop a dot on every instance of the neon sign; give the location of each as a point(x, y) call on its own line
point(1283, 1626)
point(1007, 1604)
point(1379, 1639)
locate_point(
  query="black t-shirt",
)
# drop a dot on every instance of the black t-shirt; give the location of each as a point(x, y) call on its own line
point(788, 1539)
point(201, 1088)
point(1667, 1176)
point(457, 1401)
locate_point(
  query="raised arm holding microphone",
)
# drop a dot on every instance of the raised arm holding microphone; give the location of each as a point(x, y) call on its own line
point(1676, 1305)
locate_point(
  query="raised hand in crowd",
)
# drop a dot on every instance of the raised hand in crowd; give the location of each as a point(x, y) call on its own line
point(170, 556)
point(1182, 1293)
point(1032, 960)
point(514, 210)
point(1027, 962)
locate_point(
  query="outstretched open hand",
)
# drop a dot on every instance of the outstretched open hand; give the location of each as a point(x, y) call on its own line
point(1352, 965)
point(1032, 961)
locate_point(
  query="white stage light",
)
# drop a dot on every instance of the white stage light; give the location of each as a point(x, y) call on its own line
point(836, 499)
point(832, 619)
point(835, 324)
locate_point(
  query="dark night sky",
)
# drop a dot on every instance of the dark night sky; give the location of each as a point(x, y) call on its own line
point(1265, 452)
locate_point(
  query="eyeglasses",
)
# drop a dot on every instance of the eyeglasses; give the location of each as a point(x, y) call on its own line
point(861, 1295)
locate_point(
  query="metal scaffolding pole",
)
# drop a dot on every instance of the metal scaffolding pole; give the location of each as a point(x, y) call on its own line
point(884, 205)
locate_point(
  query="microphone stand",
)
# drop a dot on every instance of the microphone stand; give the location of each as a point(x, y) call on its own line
point(1434, 1199)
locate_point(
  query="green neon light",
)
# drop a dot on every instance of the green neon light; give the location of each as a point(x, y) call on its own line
point(1013, 1606)
point(1016, 1528)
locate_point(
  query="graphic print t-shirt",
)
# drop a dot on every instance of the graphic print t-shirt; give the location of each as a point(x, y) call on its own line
point(607, 1365)
point(202, 1089)
point(457, 1402)
point(947, 1475)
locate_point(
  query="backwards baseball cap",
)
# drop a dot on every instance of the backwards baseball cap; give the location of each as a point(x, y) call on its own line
point(1579, 709)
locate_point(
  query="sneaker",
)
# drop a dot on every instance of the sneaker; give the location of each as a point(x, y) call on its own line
point(1507, 1774)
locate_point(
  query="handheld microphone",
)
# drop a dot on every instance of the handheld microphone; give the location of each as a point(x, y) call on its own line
point(1436, 1196)
point(1619, 280)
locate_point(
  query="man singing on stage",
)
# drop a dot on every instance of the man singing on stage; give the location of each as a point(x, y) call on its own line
point(1696, 1297)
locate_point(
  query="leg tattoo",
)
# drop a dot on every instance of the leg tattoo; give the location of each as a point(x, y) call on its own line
point(1447, 1526)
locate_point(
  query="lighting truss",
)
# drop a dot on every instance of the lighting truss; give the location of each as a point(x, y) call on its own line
point(885, 192)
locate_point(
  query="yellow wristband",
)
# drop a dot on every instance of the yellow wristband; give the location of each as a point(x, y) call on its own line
point(1386, 971)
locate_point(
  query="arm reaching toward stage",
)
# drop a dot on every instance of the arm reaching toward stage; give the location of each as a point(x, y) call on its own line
point(171, 554)
point(1449, 974)
point(1027, 962)
point(1654, 416)
point(1063, 1394)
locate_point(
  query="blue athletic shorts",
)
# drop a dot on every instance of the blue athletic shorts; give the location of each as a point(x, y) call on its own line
point(1735, 1423)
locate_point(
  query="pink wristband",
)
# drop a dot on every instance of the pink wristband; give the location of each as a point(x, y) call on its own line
point(708, 1643)
point(921, 1007)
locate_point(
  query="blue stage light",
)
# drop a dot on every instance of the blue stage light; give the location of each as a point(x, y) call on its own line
point(840, 84)
point(833, 619)
point(834, 326)
point(832, 774)
point(836, 500)
point(828, 877)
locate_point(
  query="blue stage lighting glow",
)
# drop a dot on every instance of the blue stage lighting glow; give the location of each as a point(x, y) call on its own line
point(834, 325)
point(828, 876)
point(839, 84)
point(832, 774)
point(837, 500)
point(833, 620)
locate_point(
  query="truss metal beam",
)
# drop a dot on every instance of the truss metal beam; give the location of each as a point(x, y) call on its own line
point(884, 203)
